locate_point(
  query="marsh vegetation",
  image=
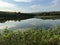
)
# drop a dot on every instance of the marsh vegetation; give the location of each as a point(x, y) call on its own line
point(30, 37)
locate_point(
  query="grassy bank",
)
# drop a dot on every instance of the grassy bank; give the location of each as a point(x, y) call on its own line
point(30, 37)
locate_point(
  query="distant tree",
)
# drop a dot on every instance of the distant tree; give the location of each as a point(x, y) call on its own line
point(19, 13)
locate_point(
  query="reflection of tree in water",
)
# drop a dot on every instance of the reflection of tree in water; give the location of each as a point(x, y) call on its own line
point(3, 20)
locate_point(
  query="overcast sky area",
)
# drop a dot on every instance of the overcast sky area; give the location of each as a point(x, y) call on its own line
point(29, 5)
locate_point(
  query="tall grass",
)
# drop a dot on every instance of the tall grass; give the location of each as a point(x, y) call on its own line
point(30, 37)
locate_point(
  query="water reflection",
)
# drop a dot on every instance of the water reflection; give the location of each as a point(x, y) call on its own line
point(3, 20)
point(29, 23)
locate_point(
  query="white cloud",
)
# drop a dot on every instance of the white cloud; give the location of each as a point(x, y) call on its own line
point(6, 4)
point(36, 7)
point(56, 3)
point(9, 10)
point(22, 0)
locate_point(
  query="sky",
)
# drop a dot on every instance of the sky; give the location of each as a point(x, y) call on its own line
point(28, 6)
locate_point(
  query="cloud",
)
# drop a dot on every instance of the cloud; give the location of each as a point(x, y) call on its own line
point(6, 4)
point(55, 3)
point(23, 0)
point(37, 7)
point(10, 10)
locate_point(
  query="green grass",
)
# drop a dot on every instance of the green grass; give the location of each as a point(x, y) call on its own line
point(30, 37)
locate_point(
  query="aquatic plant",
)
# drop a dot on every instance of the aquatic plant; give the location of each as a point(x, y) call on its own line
point(30, 37)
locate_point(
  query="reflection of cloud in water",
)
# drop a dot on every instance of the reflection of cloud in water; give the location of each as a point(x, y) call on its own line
point(10, 26)
point(38, 23)
point(29, 23)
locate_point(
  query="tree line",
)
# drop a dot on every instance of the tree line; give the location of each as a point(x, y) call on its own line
point(18, 15)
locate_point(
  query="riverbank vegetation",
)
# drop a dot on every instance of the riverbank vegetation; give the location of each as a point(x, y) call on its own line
point(30, 37)
point(13, 15)
point(6, 16)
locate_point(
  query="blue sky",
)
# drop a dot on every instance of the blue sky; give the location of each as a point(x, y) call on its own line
point(29, 5)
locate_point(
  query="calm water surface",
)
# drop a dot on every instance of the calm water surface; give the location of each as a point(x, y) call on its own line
point(29, 23)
